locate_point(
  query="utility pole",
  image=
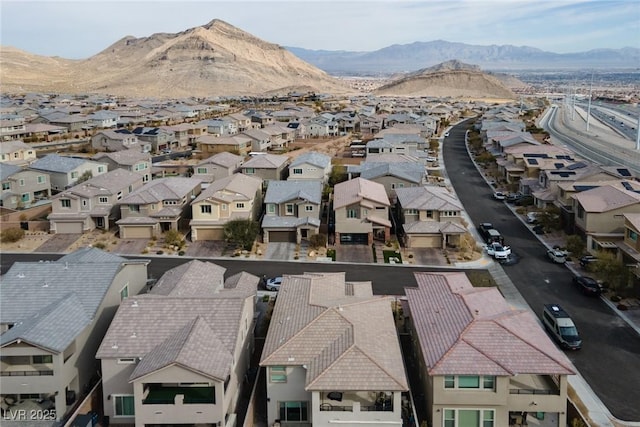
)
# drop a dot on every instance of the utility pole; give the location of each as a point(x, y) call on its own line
point(638, 134)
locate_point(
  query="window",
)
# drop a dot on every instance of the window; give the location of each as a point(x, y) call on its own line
point(201, 170)
point(21, 182)
point(74, 175)
point(249, 171)
point(278, 374)
point(289, 209)
point(100, 169)
point(6, 186)
point(486, 382)
point(411, 211)
point(271, 208)
point(580, 212)
point(65, 203)
point(352, 213)
point(103, 200)
point(294, 411)
point(468, 418)
point(223, 207)
point(39, 360)
point(134, 208)
point(84, 202)
point(119, 196)
point(124, 406)
point(632, 235)
point(308, 208)
point(127, 360)
point(297, 171)
point(124, 292)
point(26, 197)
point(429, 214)
point(239, 205)
point(205, 209)
point(41, 179)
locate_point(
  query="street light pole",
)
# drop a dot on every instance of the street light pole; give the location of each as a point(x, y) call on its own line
point(589, 108)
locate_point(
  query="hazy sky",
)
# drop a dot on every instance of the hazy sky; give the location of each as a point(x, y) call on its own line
point(79, 29)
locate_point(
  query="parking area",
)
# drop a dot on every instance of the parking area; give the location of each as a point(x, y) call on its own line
point(354, 253)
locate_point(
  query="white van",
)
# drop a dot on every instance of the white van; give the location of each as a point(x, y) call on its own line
point(559, 324)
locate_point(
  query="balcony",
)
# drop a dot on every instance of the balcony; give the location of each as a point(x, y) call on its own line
point(361, 401)
point(27, 373)
point(177, 395)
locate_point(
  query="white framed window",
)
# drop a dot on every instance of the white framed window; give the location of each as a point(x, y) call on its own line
point(134, 208)
point(223, 207)
point(297, 171)
point(42, 179)
point(124, 292)
point(352, 213)
point(119, 196)
point(42, 359)
point(308, 208)
point(478, 382)
point(201, 170)
point(239, 205)
point(74, 175)
point(468, 418)
point(293, 411)
point(123, 405)
point(26, 197)
point(65, 203)
point(271, 208)
point(278, 374)
point(103, 199)
point(289, 210)
point(411, 211)
point(6, 186)
point(100, 169)
point(205, 209)
point(249, 171)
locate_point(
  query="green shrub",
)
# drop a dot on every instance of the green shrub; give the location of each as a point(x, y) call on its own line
point(181, 253)
point(173, 238)
point(11, 235)
point(100, 245)
point(331, 253)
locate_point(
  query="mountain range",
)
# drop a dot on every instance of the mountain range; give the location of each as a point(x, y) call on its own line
point(418, 55)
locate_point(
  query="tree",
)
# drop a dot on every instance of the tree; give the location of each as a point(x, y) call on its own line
point(549, 217)
point(575, 245)
point(241, 232)
point(338, 174)
point(608, 266)
point(174, 238)
point(85, 177)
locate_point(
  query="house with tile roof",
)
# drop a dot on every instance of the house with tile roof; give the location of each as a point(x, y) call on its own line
point(64, 172)
point(310, 165)
point(431, 217)
point(598, 214)
point(109, 140)
point(53, 316)
point(218, 166)
point(361, 209)
point(480, 361)
point(629, 247)
point(16, 152)
point(158, 206)
point(332, 354)
point(269, 167)
point(392, 175)
point(22, 188)
point(235, 197)
point(130, 160)
point(238, 144)
point(178, 354)
point(292, 211)
point(260, 140)
point(93, 203)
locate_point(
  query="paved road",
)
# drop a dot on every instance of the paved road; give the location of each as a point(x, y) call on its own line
point(610, 356)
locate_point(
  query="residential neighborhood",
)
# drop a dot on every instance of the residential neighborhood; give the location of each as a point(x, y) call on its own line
point(140, 182)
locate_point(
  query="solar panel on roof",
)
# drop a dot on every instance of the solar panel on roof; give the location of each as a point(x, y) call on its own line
point(584, 187)
point(563, 157)
point(558, 165)
point(577, 165)
point(627, 186)
point(538, 155)
point(624, 172)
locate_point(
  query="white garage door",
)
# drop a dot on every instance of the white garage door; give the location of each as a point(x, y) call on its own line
point(68, 228)
point(130, 232)
point(207, 234)
point(425, 241)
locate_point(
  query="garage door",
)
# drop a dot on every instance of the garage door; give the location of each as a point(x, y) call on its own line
point(68, 228)
point(282, 236)
point(354, 239)
point(136, 232)
point(208, 234)
point(425, 241)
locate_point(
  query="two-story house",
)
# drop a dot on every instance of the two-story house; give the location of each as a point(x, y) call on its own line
point(22, 188)
point(235, 197)
point(393, 175)
point(480, 361)
point(53, 316)
point(130, 160)
point(240, 121)
point(269, 167)
point(104, 119)
point(64, 172)
point(599, 214)
point(310, 165)
point(16, 152)
point(292, 210)
point(158, 206)
point(260, 140)
point(159, 139)
point(218, 166)
point(179, 354)
point(361, 209)
point(118, 140)
point(431, 217)
point(239, 144)
point(92, 204)
point(332, 355)
point(629, 247)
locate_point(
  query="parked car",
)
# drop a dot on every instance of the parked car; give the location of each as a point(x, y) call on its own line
point(586, 260)
point(588, 285)
point(498, 251)
point(538, 229)
point(557, 256)
point(513, 197)
point(446, 134)
point(498, 195)
point(274, 283)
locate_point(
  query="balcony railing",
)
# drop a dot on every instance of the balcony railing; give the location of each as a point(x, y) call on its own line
point(191, 395)
point(26, 373)
point(529, 391)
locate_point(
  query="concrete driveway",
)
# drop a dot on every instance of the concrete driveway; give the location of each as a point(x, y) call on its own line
point(58, 243)
point(280, 251)
point(354, 253)
point(130, 246)
point(427, 256)
point(206, 248)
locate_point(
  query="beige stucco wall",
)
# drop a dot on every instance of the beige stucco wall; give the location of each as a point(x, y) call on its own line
point(292, 390)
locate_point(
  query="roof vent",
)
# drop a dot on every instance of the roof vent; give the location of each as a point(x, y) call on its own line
point(291, 359)
point(134, 303)
point(115, 346)
point(133, 335)
point(20, 275)
point(45, 285)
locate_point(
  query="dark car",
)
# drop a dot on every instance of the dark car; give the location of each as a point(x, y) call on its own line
point(588, 285)
point(586, 260)
point(524, 201)
point(513, 197)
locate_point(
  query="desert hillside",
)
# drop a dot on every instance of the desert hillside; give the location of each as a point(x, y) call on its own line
point(449, 79)
point(216, 59)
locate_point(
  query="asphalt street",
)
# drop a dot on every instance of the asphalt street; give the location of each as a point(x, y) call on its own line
point(611, 348)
